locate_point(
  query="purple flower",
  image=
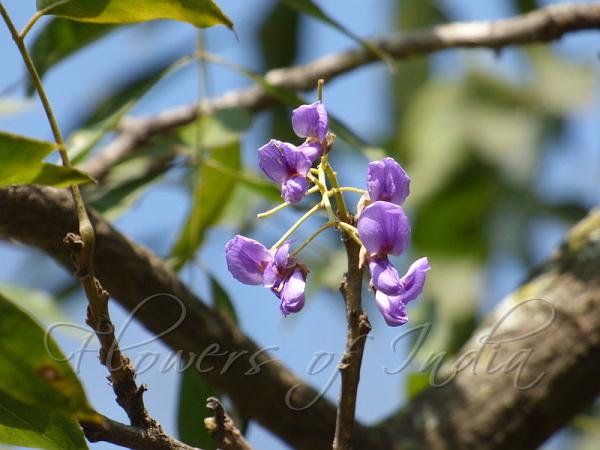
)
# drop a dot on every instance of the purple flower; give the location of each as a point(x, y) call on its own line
point(285, 164)
point(394, 313)
point(251, 263)
point(291, 292)
point(312, 149)
point(247, 259)
point(393, 307)
point(384, 276)
point(278, 267)
point(383, 229)
point(310, 121)
point(387, 181)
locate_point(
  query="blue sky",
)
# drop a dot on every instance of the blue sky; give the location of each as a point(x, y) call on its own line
point(360, 99)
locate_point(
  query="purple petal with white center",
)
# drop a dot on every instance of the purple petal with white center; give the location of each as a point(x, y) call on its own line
point(384, 276)
point(387, 181)
point(294, 189)
point(313, 150)
point(247, 259)
point(292, 293)
point(384, 228)
point(310, 121)
point(393, 312)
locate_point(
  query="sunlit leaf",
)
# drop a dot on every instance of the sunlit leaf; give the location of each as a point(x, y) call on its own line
point(40, 395)
point(416, 382)
point(60, 38)
point(21, 162)
point(10, 106)
point(201, 13)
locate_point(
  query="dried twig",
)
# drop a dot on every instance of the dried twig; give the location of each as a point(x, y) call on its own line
point(131, 436)
point(350, 365)
point(222, 428)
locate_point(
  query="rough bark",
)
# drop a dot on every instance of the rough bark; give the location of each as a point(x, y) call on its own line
point(41, 217)
point(488, 405)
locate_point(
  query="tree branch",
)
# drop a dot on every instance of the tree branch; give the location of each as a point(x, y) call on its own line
point(531, 366)
point(475, 410)
point(258, 384)
point(222, 428)
point(543, 25)
point(131, 436)
point(350, 365)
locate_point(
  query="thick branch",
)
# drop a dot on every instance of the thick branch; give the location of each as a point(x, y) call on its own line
point(531, 366)
point(258, 384)
point(222, 428)
point(131, 437)
point(350, 365)
point(543, 25)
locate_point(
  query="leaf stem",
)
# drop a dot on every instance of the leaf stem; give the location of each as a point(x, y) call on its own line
point(312, 237)
point(38, 15)
point(339, 198)
point(86, 230)
point(299, 222)
point(281, 206)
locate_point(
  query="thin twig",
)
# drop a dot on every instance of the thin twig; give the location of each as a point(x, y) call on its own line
point(130, 436)
point(222, 428)
point(358, 329)
point(122, 373)
point(543, 25)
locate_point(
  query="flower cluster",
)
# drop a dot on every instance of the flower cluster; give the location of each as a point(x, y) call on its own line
point(382, 228)
point(288, 165)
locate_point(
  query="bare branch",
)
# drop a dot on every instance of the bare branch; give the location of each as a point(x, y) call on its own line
point(543, 25)
point(258, 384)
point(131, 437)
point(481, 410)
point(350, 365)
point(531, 366)
point(222, 428)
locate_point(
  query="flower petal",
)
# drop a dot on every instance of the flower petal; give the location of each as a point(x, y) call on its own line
point(313, 150)
point(414, 280)
point(310, 121)
point(247, 259)
point(292, 293)
point(272, 161)
point(294, 189)
point(277, 267)
point(394, 313)
point(387, 181)
point(384, 276)
point(384, 228)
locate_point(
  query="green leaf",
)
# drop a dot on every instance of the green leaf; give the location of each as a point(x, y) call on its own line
point(221, 300)
point(416, 382)
point(312, 9)
point(200, 13)
point(21, 162)
point(59, 39)
point(194, 389)
point(210, 197)
point(40, 395)
point(193, 392)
